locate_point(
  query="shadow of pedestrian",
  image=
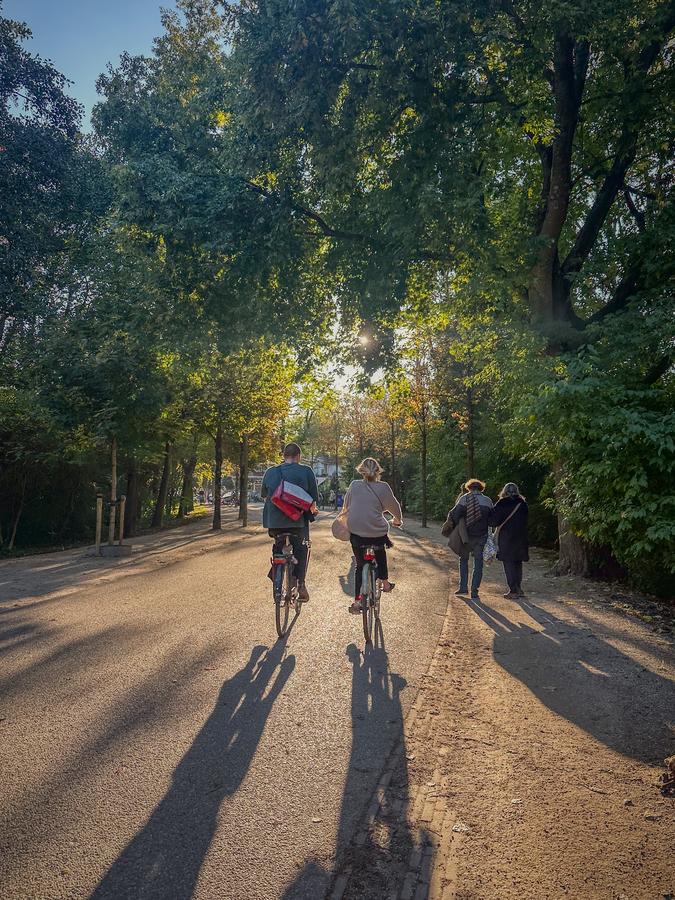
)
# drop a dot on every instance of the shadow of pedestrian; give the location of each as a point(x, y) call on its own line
point(378, 857)
point(585, 679)
point(163, 860)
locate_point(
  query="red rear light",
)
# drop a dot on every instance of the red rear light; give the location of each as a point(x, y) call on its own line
point(369, 557)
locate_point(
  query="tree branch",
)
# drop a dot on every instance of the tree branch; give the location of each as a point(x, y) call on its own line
point(659, 368)
point(524, 34)
point(636, 70)
point(625, 291)
point(595, 219)
point(326, 230)
point(637, 214)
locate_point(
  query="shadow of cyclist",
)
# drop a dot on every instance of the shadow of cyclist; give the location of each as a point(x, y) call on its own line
point(379, 864)
point(164, 858)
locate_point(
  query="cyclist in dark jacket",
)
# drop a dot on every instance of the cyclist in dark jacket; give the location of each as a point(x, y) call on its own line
point(510, 515)
point(277, 523)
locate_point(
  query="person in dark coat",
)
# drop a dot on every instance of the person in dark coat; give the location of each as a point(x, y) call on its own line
point(509, 515)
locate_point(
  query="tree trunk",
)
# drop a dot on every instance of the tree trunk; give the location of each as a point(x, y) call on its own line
point(243, 491)
point(574, 555)
point(573, 552)
point(424, 475)
point(217, 477)
point(113, 491)
point(186, 504)
point(392, 438)
point(131, 509)
point(19, 510)
point(545, 280)
point(470, 437)
point(160, 503)
point(171, 493)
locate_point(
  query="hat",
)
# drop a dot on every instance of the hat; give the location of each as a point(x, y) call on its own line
point(474, 483)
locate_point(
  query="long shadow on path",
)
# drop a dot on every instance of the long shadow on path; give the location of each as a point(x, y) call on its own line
point(579, 676)
point(377, 724)
point(163, 861)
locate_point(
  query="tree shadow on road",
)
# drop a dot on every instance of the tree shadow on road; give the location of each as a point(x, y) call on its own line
point(377, 857)
point(164, 859)
point(585, 679)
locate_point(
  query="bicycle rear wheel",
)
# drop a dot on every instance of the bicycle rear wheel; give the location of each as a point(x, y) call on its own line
point(367, 602)
point(282, 597)
point(376, 587)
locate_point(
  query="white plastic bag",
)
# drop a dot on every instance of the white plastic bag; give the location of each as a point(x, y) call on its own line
point(490, 549)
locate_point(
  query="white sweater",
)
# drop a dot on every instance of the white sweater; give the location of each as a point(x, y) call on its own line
point(366, 502)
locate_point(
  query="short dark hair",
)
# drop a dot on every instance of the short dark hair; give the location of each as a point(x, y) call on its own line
point(291, 450)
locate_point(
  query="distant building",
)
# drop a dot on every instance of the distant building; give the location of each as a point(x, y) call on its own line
point(324, 466)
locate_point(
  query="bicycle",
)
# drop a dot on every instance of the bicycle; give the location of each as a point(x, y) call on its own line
point(371, 592)
point(285, 584)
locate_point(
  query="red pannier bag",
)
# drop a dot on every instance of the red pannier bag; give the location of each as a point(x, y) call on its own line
point(291, 499)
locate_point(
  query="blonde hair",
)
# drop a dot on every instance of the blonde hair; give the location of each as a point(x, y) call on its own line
point(510, 490)
point(370, 469)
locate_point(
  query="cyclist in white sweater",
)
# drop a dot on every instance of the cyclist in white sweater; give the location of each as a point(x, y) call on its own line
point(366, 502)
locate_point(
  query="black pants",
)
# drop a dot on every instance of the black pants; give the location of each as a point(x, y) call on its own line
point(379, 544)
point(514, 575)
point(298, 536)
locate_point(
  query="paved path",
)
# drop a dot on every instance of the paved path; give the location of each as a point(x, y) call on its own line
point(156, 741)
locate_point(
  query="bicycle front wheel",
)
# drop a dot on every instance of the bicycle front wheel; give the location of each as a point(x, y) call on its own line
point(282, 596)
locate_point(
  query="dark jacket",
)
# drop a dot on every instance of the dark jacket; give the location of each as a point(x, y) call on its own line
point(513, 542)
point(296, 473)
point(478, 529)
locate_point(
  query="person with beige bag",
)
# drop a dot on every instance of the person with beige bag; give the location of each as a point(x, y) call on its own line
point(363, 523)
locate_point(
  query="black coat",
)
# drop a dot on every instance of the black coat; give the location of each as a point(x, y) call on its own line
point(513, 542)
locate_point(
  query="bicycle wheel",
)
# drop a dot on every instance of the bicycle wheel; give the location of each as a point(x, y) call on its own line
point(367, 602)
point(376, 588)
point(282, 595)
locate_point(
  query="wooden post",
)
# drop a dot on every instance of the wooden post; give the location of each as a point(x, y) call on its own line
point(99, 521)
point(123, 503)
point(113, 492)
point(243, 496)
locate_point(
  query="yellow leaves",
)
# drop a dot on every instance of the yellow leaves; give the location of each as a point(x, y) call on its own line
point(221, 119)
point(494, 57)
point(267, 180)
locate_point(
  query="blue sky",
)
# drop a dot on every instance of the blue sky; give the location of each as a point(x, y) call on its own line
point(82, 36)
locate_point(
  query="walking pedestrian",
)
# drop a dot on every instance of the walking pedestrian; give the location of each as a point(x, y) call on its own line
point(476, 510)
point(510, 515)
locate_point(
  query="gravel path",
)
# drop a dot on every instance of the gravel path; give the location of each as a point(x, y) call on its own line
point(530, 763)
point(156, 741)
